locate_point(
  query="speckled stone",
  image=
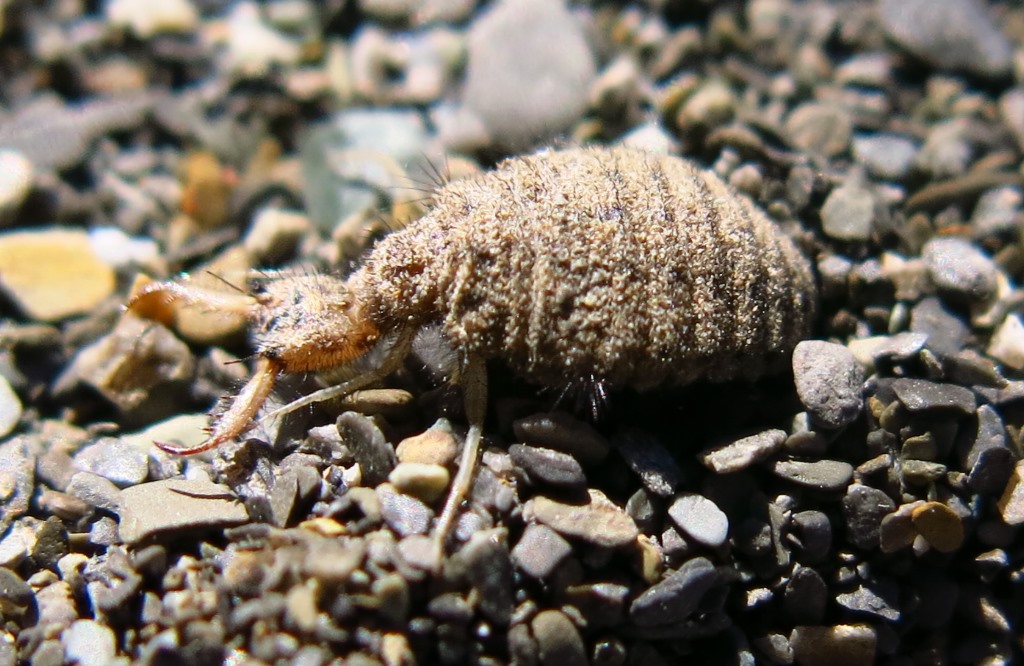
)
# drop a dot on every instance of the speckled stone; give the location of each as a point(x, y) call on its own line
point(700, 519)
point(744, 452)
point(162, 509)
point(677, 596)
point(599, 521)
point(829, 381)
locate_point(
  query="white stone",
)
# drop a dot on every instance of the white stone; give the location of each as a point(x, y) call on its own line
point(1007, 345)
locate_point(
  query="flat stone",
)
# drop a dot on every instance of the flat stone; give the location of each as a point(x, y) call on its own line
point(89, 643)
point(1007, 343)
point(562, 432)
point(96, 491)
point(829, 381)
point(828, 475)
point(677, 596)
point(376, 457)
point(547, 466)
point(164, 509)
point(958, 35)
point(53, 274)
point(941, 527)
point(744, 452)
point(920, 395)
point(1011, 504)
point(839, 645)
point(115, 460)
point(539, 551)
point(599, 521)
point(700, 519)
point(558, 639)
point(959, 267)
point(864, 508)
point(947, 333)
point(652, 462)
point(876, 600)
point(848, 213)
point(989, 461)
point(404, 514)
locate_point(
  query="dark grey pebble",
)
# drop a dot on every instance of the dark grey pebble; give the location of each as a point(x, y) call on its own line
point(405, 514)
point(547, 466)
point(813, 531)
point(450, 607)
point(957, 266)
point(677, 596)
point(164, 508)
point(121, 462)
point(828, 475)
point(953, 34)
point(989, 461)
point(641, 509)
point(376, 457)
point(863, 510)
point(921, 395)
point(700, 519)
point(96, 491)
point(876, 600)
point(805, 596)
point(652, 462)
point(947, 333)
point(295, 487)
point(600, 604)
point(829, 381)
point(16, 595)
point(562, 432)
point(744, 452)
point(485, 562)
point(540, 550)
point(558, 640)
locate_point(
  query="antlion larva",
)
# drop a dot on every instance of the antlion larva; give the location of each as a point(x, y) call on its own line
point(624, 267)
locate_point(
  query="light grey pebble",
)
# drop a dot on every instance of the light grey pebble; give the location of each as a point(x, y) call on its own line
point(806, 596)
point(650, 460)
point(901, 347)
point(838, 645)
point(848, 213)
point(998, 210)
point(376, 457)
point(947, 333)
point(829, 381)
point(10, 404)
point(744, 452)
point(114, 459)
point(89, 643)
point(876, 599)
point(162, 509)
point(598, 521)
point(828, 475)
point(989, 460)
point(16, 174)
point(540, 550)
point(700, 519)
point(562, 432)
point(547, 466)
point(813, 530)
point(528, 71)
point(953, 34)
point(887, 156)
point(17, 479)
point(921, 395)
point(819, 128)
point(864, 508)
point(946, 152)
point(558, 640)
point(958, 267)
point(677, 596)
point(488, 566)
point(405, 514)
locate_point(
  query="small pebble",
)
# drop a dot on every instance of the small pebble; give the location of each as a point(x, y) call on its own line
point(700, 519)
point(146, 19)
point(997, 211)
point(10, 408)
point(677, 596)
point(650, 460)
point(876, 600)
point(887, 156)
point(488, 567)
point(53, 274)
point(424, 481)
point(405, 514)
point(829, 381)
point(955, 34)
point(115, 460)
point(16, 173)
point(821, 129)
point(805, 596)
point(1007, 344)
point(814, 531)
point(744, 452)
point(547, 466)
point(599, 521)
point(827, 475)
point(959, 267)
point(941, 527)
point(840, 645)
point(376, 457)
point(864, 508)
point(15, 594)
point(989, 461)
point(163, 509)
point(946, 332)
point(1011, 504)
point(920, 395)
point(562, 432)
point(434, 446)
point(89, 643)
point(558, 640)
point(540, 550)
point(848, 213)
point(896, 530)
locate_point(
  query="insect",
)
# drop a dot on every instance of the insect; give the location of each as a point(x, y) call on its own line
point(629, 268)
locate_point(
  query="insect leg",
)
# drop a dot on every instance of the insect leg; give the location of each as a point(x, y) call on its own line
point(474, 387)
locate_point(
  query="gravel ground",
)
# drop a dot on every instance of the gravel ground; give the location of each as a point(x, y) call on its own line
point(866, 507)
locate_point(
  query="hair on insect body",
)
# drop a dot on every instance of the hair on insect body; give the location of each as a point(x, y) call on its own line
point(625, 268)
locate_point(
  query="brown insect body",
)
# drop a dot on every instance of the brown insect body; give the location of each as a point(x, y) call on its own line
point(632, 268)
